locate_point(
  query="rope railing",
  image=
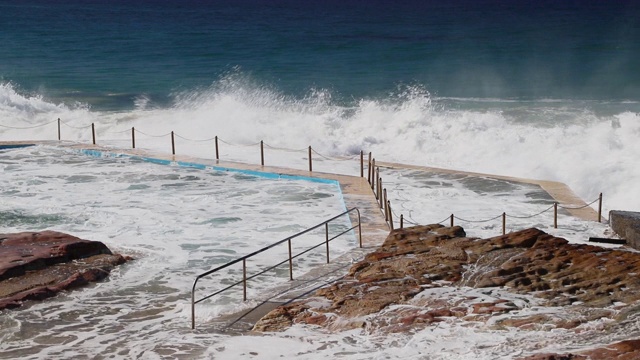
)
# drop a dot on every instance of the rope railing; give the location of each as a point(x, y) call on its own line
point(372, 177)
point(27, 127)
point(504, 215)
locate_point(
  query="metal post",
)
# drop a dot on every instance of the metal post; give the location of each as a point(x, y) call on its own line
point(310, 166)
point(373, 166)
point(58, 129)
point(93, 133)
point(555, 215)
point(380, 192)
point(451, 220)
point(401, 221)
point(290, 262)
point(261, 153)
point(193, 310)
point(244, 279)
point(326, 232)
point(173, 144)
point(361, 163)
point(386, 209)
point(133, 137)
point(600, 208)
point(378, 181)
point(217, 154)
point(359, 229)
point(390, 213)
point(369, 174)
point(504, 223)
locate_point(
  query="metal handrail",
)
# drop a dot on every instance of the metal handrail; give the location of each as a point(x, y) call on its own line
point(289, 260)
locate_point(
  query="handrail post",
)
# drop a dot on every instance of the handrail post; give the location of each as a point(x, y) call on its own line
point(290, 262)
point(93, 133)
point(217, 154)
point(361, 163)
point(373, 172)
point(173, 144)
point(390, 216)
point(310, 166)
point(326, 232)
point(555, 215)
point(380, 193)
point(58, 129)
point(261, 153)
point(600, 208)
point(386, 209)
point(133, 137)
point(504, 223)
point(359, 228)
point(193, 307)
point(369, 175)
point(244, 280)
point(451, 220)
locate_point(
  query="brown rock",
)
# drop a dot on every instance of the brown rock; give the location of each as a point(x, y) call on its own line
point(35, 266)
point(526, 262)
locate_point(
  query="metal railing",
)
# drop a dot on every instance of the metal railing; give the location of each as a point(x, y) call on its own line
point(289, 260)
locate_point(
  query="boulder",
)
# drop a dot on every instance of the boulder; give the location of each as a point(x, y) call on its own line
point(38, 265)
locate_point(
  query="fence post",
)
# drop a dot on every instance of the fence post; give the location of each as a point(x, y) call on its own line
point(93, 133)
point(326, 232)
point(373, 180)
point(451, 220)
point(290, 262)
point(361, 163)
point(173, 144)
point(369, 174)
point(386, 209)
point(380, 192)
point(261, 153)
point(401, 221)
point(600, 208)
point(555, 215)
point(58, 129)
point(390, 214)
point(244, 279)
point(217, 155)
point(310, 166)
point(504, 223)
point(133, 137)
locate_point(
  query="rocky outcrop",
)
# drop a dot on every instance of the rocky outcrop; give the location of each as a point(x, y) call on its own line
point(624, 350)
point(419, 275)
point(38, 265)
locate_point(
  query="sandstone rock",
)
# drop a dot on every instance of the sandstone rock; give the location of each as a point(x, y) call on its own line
point(624, 350)
point(35, 266)
point(412, 260)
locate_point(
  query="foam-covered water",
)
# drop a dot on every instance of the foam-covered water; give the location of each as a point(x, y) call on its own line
point(544, 90)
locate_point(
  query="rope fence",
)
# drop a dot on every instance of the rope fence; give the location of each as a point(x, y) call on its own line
point(373, 173)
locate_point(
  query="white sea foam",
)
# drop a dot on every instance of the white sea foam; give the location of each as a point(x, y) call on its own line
point(177, 221)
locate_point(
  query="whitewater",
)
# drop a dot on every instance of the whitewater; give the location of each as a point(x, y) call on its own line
point(179, 221)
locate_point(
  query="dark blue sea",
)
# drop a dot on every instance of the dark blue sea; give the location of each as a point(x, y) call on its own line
point(545, 89)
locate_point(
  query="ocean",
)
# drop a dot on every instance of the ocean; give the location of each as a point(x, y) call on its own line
point(545, 90)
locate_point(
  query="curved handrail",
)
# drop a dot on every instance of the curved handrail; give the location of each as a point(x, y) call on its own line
point(289, 259)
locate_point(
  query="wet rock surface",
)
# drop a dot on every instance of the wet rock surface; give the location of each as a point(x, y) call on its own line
point(424, 275)
point(38, 265)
